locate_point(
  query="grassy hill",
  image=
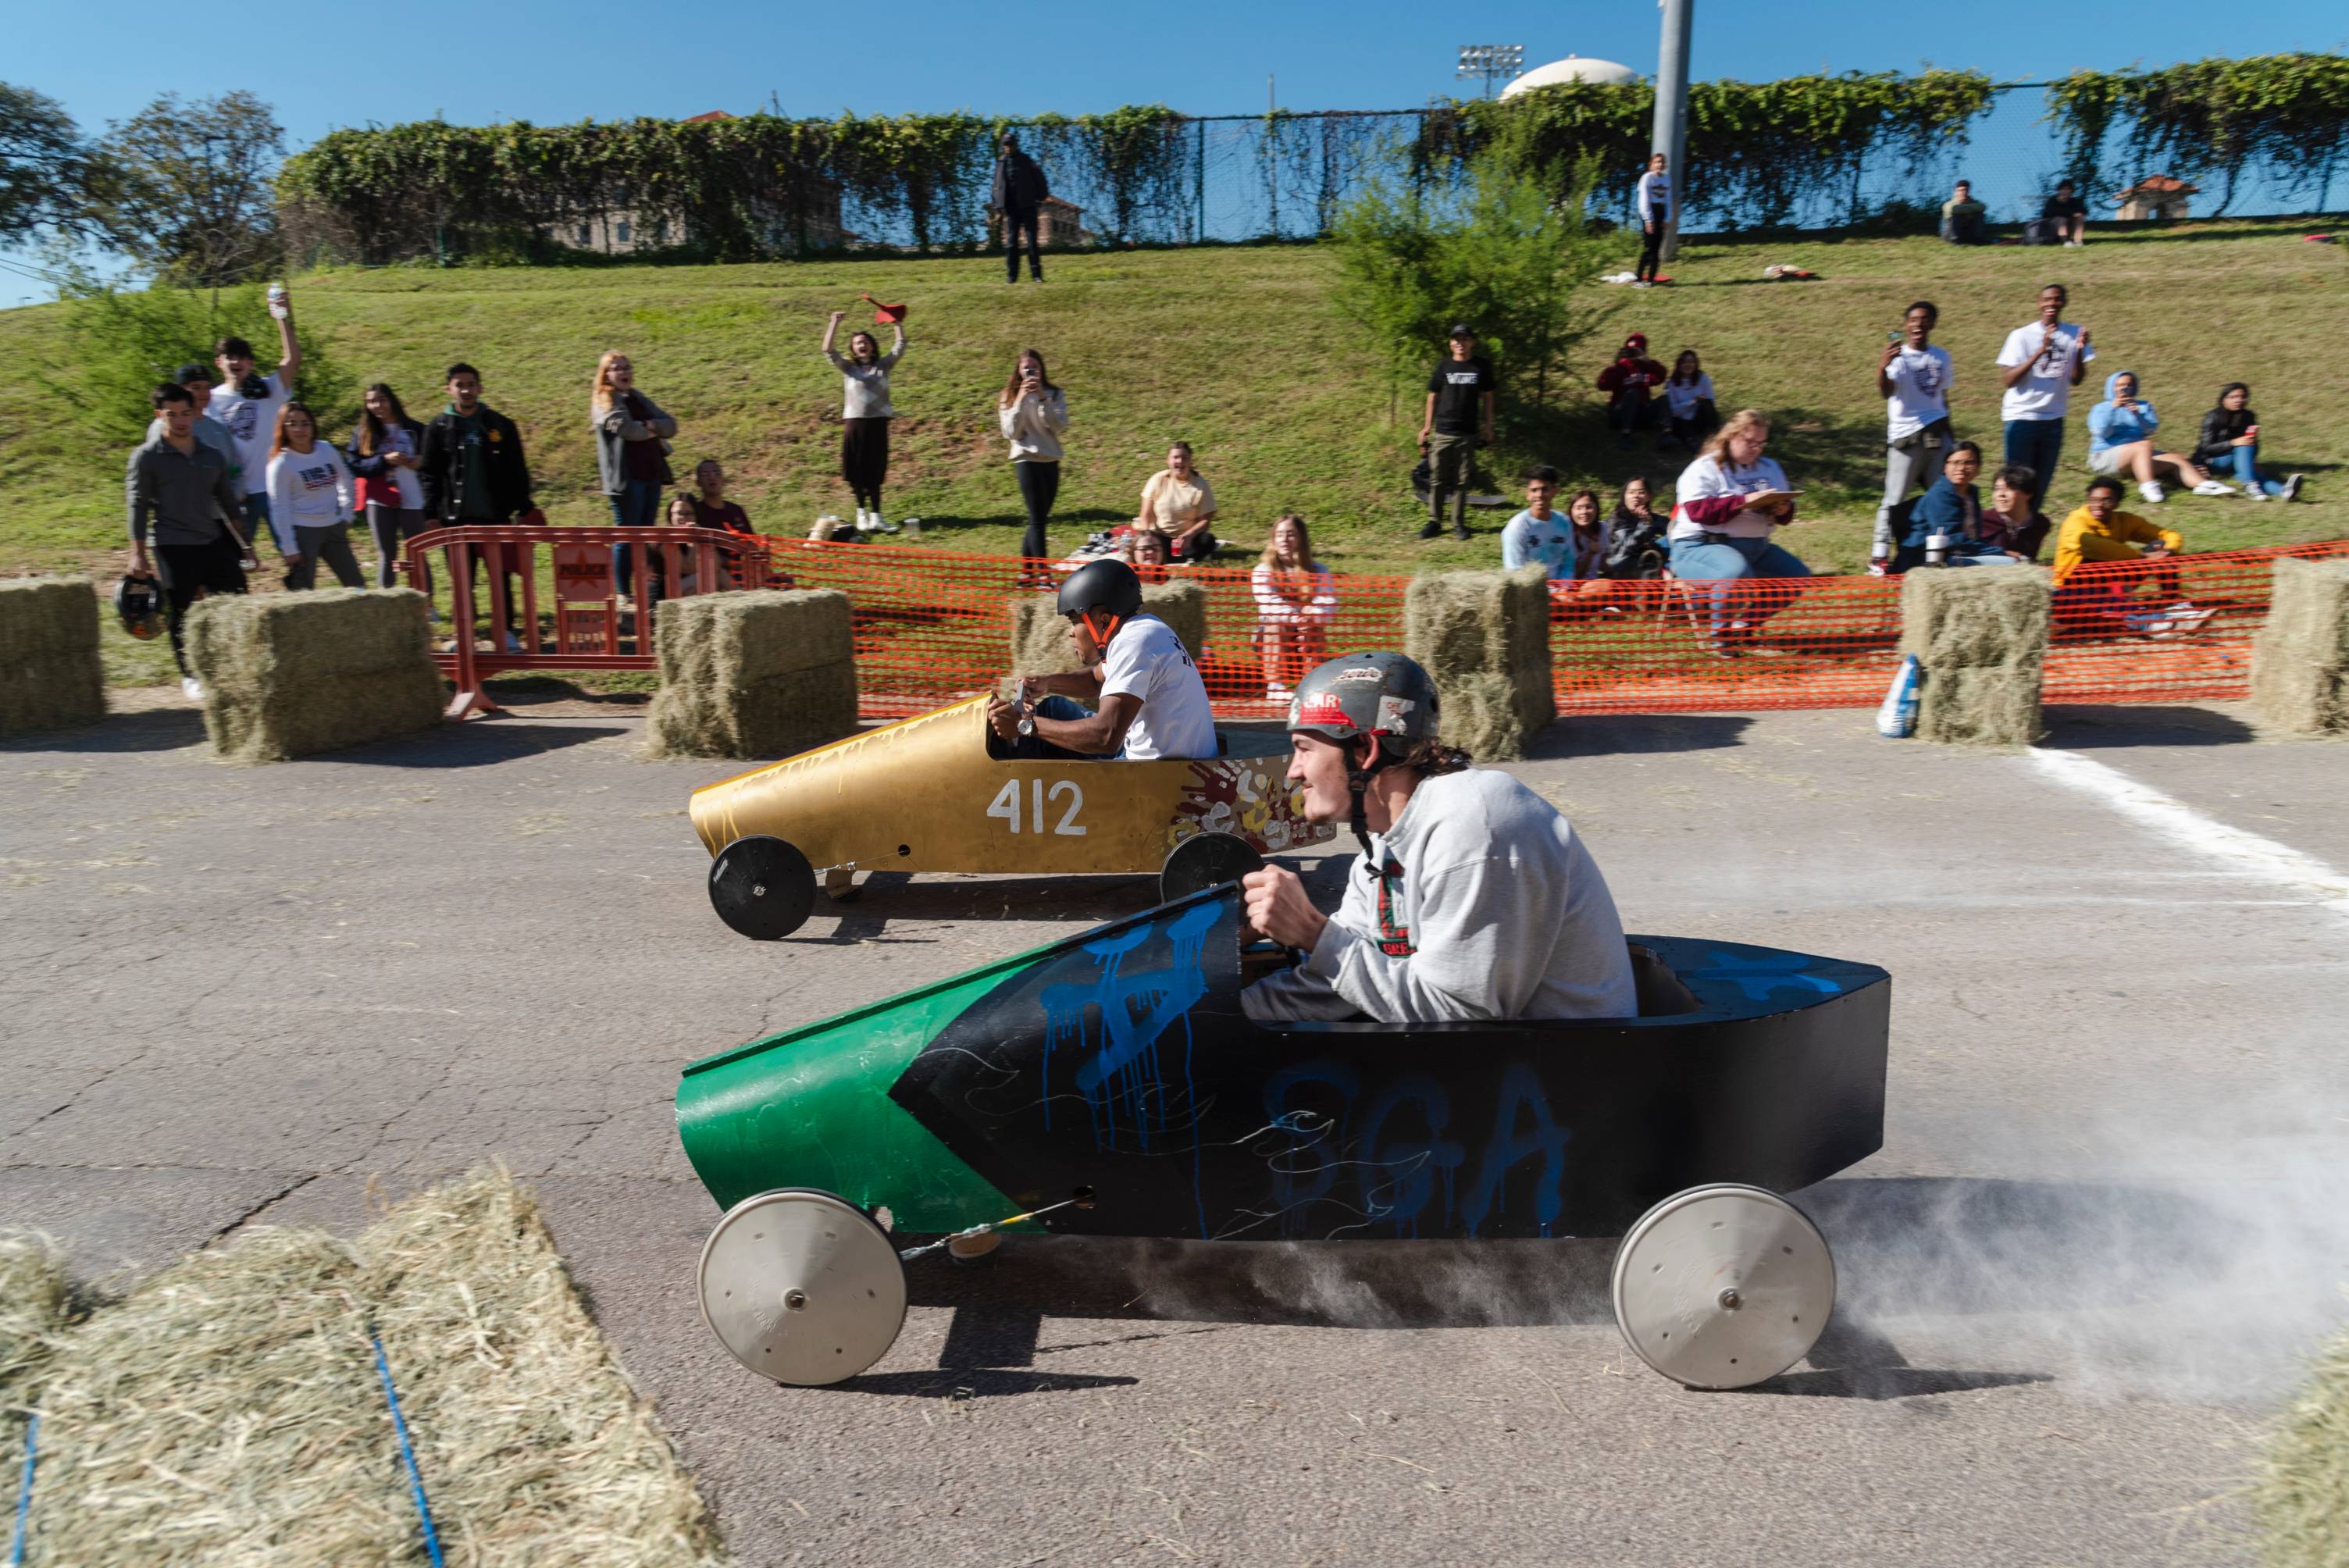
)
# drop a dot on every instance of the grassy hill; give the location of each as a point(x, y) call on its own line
point(1239, 352)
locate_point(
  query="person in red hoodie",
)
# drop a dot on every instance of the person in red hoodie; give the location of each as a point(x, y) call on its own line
point(1629, 383)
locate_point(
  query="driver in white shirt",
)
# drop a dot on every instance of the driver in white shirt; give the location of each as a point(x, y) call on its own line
point(1149, 701)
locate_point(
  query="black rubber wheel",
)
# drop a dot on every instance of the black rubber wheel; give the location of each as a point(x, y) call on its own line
point(763, 887)
point(1206, 861)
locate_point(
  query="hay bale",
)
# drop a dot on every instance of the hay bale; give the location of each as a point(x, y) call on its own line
point(50, 673)
point(226, 1410)
point(1040, 638)
point(289, 675)
point(535, 1449)
point(1981, 634)
point(32, 1311)
point(2302, 1494)
point(2299, 657)
point(753, 674)
point(1484, 638)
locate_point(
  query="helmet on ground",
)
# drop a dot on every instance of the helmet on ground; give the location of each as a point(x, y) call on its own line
point(1382, 694)
point(139, 601)
point(1109, 587)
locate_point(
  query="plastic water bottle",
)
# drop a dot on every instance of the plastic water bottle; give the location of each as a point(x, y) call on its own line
point(1936, 550)
point(1896, 719)
point(275, 295)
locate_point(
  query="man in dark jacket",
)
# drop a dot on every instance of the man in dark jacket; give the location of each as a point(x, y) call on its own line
point(1019, 194)
point(474, 473)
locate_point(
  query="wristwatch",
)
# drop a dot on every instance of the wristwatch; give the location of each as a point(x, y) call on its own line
point(1027, 724)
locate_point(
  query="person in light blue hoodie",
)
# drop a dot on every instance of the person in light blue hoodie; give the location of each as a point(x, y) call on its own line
point(2120, 441)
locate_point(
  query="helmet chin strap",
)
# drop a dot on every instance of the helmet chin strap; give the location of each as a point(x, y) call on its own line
point(1357, 780)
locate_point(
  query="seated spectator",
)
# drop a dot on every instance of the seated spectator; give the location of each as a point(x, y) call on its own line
point(1688, 399)
point(2230, 445)
point(1295, 599)
point(1590, 589)
point(2100, 532)
point(1537, 536)
point(2013, 522)
point(1635, 548)
point(1145, 553)
point(1178, 503)
point(1950, 510)
point(710, 507)
point(2065, 215)
point(1731, 500)
point(1629, 383)
point(2120, 440)
point(1963, 220)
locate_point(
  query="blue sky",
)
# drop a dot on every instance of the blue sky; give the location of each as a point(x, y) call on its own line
point(538, 60)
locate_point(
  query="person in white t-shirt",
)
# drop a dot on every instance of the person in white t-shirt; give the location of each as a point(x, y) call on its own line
point(1731, 500)
point(2039, 367)
point(310, 495)
point(247, 403)
point(1913, 379)
point(1150, 701)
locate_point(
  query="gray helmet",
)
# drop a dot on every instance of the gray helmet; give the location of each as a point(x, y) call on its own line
point(1354, 695)
point(1109, 586)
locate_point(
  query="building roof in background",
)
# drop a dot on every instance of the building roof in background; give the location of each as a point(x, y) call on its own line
point(1573, 68)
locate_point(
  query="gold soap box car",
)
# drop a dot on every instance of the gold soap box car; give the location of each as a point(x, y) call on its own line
point(929, 794)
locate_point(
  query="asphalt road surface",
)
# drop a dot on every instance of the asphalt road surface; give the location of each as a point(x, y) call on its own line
point(2105, 1226)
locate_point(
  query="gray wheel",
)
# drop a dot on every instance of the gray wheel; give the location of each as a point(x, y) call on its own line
point(801, 1286)
point(1724, 1286)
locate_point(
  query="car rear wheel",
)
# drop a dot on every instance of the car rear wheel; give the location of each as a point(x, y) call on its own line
point(763, 887)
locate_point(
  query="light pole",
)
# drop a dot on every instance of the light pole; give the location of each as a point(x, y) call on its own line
point(1493, 62)
point(1671, 111)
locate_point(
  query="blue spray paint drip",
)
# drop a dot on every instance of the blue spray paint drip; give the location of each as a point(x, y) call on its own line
point(1757, 977)
point(25, 1492)
point(1122, 1077)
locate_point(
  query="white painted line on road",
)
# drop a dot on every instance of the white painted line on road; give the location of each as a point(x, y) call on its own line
point(2164, 816)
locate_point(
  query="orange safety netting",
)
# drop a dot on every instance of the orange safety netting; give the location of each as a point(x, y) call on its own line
point(933, 624)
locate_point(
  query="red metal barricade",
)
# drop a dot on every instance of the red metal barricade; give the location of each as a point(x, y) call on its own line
point(594, 627)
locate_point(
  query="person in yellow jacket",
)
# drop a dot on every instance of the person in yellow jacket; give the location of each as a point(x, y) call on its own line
point(2099, 531)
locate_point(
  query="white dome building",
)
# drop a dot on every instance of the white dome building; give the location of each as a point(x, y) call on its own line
point(1573, 68)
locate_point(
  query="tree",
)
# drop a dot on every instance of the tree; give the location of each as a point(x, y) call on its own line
point(191, 188)
point(46, 174)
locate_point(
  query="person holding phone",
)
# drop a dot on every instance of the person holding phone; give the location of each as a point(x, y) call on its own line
point(2120, 440)
point(1032, 414)
point(1912, 377)
point(2230, 445)
point(2038, 368)
point(1731, 500)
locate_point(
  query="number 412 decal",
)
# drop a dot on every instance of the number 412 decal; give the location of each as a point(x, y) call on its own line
point(1006, 806)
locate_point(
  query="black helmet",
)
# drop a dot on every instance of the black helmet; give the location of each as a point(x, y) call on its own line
point(139, 603)
point(1107, 586)
point(1354, 695)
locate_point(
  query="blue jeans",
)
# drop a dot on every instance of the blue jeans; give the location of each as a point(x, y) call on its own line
point(637, 506)
point(2244, 462)
point(1718, 559)
point(256, 516)
point(2037, 444)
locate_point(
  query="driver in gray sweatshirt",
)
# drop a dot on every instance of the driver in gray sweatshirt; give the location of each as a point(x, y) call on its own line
point(1474, 901)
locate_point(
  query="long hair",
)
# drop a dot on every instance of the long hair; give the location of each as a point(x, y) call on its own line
point(1696, 368)
point(869, 338)
point(1622, 502)
point(1271, 556)
point(277, 436)
point(371, 428)
point(603, 393)
point(1597, 509)
point(2243, 386)
point(1737, 423)
point(1012, 382)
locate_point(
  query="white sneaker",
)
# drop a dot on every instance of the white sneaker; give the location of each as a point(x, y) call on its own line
point(2250, 494)
point(882, 525)
point(2151, 492)
point(2212, 487)
point(192, 688)
point(860, 520)
point(2291, 488)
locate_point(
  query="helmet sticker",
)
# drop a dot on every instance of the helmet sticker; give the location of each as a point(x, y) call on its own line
point(1393, 711)
point(1320, 708)
point(1359, 674)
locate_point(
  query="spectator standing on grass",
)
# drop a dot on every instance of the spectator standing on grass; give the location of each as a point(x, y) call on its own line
point(386, 451)
point(1731, 500)
point(247, 403)
point(1629, 383)
point(2066, 215)
point(1654, 199)
point(2012, 521)
point(310, 501)
point(1951, 512)
point(207, 429)
point(1295, 599)
point(2120, 440)
point(180, 498)
point(1018, 193)
point(1462, 395)
point(865, 415)
point(1913, 379)
point(1962, 217)
point(2230, 445)
point(1688, 401)
point(632, 437)
point(2038, 368)
point(1177, 504)
point(1032, 414)
point(474, 474)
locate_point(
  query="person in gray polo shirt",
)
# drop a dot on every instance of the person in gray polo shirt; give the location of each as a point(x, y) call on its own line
point(181, 496)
